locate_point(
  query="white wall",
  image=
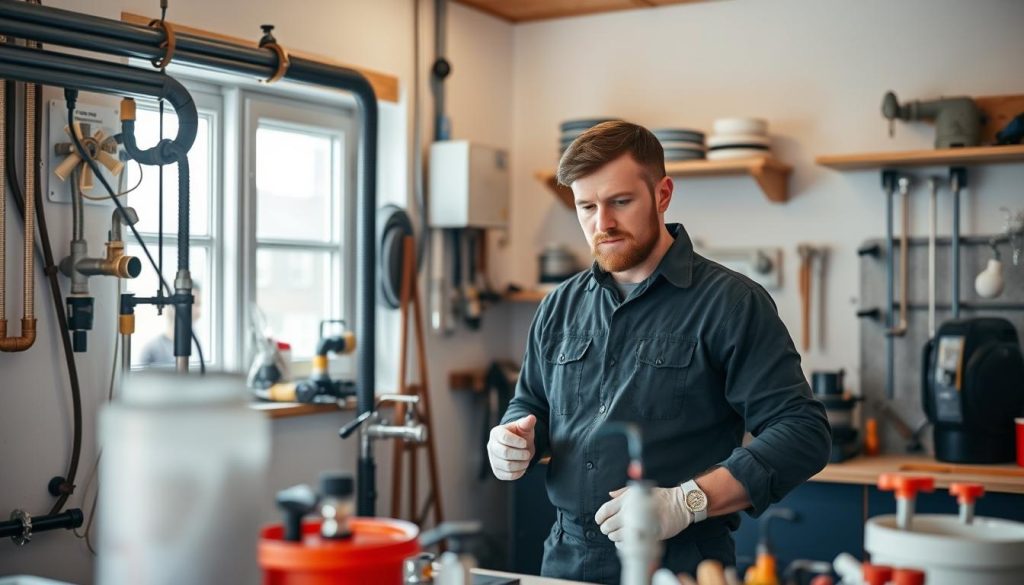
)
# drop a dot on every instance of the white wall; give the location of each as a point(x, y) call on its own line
point(816, 70)
point(34, 404)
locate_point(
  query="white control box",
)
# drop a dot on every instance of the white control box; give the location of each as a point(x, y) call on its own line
point(469, 185)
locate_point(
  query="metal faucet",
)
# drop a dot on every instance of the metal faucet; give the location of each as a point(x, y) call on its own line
point(410, 430)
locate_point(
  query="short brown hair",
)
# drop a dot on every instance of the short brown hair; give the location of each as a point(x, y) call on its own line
point(608, 141)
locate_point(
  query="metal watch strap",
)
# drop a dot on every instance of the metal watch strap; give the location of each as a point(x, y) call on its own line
point(700, 512)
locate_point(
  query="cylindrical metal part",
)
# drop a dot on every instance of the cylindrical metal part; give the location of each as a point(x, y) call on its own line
point(126, 352)
point(890, 293)
point(68, 519)
point(955, 252)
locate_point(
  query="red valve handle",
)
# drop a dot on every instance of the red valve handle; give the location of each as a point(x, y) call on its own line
point(908, 577)
point(906, 486)
point(876, 574)
point(966, 493)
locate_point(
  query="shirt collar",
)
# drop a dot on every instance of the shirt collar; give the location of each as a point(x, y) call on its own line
point(676, 266)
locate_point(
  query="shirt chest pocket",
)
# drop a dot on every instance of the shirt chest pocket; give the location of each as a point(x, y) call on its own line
point(659, 381)
point(565, 358)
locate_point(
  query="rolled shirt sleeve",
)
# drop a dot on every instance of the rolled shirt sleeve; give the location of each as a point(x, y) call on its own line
point(765, 385)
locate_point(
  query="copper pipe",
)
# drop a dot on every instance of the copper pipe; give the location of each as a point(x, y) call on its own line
point(3, 212)
point(28, 321)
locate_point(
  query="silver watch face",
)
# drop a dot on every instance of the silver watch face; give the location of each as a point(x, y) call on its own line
point(696, 501)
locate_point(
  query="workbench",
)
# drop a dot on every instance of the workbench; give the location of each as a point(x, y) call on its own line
point(1003, 478)
point(527, 579)
point(832, 508)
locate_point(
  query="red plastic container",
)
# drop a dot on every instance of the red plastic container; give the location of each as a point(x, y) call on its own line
point(373, 554)
point(1020, 441)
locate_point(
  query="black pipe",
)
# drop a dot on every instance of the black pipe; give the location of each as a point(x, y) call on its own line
point(889, 183)
point(366, 269)
point(68, 519)
point(958, 179)
point(969, 306)
point(66, 28)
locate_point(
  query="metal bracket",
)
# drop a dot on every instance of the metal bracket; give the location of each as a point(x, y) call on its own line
point(26, 527)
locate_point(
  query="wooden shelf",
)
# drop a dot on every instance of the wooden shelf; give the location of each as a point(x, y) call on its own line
point(1004, 478)
point(529, 11)
point(771, 175)
point(291, 409)
point(526, 296)
point(947, 157)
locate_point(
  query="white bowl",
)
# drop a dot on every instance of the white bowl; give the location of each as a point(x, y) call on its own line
point(734, 153)
point(741, 126)
point(719, 140)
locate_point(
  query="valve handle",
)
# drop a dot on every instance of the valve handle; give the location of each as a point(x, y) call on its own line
point(355, 424)
point(906, 486)
point(966, 493)
point(877, 574)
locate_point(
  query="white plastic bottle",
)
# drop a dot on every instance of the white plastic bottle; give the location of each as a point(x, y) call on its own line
point(181, 481)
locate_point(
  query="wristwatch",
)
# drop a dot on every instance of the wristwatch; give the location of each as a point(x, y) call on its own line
point(696, 500)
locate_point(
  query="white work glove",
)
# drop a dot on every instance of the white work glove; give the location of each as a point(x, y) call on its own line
point(511, 448)
point(670, 509)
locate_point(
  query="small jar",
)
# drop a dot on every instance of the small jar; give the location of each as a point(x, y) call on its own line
point(336, 505)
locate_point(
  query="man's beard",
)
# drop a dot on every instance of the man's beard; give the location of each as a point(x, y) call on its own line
point(630, 254)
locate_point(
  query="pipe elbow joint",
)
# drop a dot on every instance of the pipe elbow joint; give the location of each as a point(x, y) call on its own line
point(21, 343)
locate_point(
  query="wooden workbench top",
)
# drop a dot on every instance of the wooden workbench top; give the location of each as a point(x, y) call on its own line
point(1005, 478)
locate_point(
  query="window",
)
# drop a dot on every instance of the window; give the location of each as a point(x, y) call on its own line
point(273, 179)
point(301, 185)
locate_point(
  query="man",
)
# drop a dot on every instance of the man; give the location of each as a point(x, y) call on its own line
point(657, 335)
point(159, 351)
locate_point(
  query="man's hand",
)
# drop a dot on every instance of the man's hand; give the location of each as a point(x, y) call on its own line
point(670, 509)
point(511, 448)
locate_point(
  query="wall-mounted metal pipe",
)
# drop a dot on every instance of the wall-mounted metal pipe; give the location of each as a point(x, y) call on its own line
point(957, 179)
point(900, 328)
point(889, 185)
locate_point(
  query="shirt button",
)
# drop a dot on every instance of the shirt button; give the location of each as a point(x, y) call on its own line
point(590, 465)
point(589, 535)
point(601, 409)
point(561, 358)
point(657, 362)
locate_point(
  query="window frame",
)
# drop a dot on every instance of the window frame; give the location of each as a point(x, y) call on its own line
point(315, 117)
point(232, 213)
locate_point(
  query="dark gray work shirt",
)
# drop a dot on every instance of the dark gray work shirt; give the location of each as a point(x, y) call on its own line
point(695, 355)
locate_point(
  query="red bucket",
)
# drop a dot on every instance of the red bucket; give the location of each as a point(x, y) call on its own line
point(374, 554)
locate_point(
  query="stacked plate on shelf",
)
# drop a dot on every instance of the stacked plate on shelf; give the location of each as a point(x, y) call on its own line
point(681, 143)
point(571, 130)
point(738, 138)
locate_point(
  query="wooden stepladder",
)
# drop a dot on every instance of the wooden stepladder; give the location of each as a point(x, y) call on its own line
point(407, 451)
